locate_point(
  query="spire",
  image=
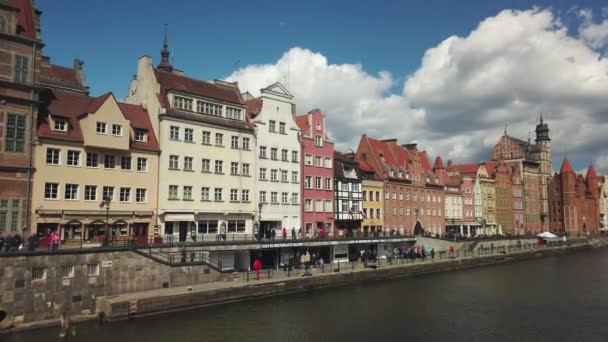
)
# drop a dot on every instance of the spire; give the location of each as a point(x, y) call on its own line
point(566, 168)
point(505, 133)
point(591, 174)
point(438, 163)
point(164, 53)
point(541, 118)
point(542, 130)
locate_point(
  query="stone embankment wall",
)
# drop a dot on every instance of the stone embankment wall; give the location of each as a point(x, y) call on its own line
point(35, 288)
point(444, 245)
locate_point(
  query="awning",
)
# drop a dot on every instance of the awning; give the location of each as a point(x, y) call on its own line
point(179, 217)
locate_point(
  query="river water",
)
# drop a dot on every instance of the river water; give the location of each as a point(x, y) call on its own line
point(562, 298)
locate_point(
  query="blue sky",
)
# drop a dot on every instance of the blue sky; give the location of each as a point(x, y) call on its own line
point(212, 39)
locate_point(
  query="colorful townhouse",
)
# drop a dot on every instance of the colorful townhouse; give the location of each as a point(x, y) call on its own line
point(317, 174)
point(348, 196)
point(373, 201)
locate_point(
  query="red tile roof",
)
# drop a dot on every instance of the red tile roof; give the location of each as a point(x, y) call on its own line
point(302, 122)
point(254, 107)
point(490, 166)
point(464, 168)
point(566, 168)
point(426, 164)
point(25, 18)
point(61, 76)
point(172, 81)
point(73, 106)
point(382, 148)
point(591, 174)
point(438, 163)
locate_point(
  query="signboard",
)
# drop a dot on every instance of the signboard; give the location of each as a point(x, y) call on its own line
point(282, 245)
point(107, 263)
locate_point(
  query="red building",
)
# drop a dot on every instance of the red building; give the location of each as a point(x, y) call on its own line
point(317, 174)
point(413, 197)
point(574, 201)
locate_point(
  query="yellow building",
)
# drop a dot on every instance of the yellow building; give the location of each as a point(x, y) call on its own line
point(89, 149)
point(373, 206)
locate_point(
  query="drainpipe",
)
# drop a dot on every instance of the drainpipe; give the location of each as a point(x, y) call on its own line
point(28, 206)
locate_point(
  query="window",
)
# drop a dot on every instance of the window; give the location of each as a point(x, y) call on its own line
point(60, 124)
point(67, 271)
point(262, 196)
point(90, 192)
point(208, 108)
point(318, 183)
point(21, 65)
point(233, 113)
point(236, 226)
point(328, 163)
point(263, 152)
point(173, 162)
point(282, 127)
point(91, 159)
point(284, 176)
point(386, 195)
point(295, 177)
point(125, 194)
point(73, 158)
point(284, 197)
point(344, 186)
point(219, 166)
point(262, 173)
point(294, 157)
point(206, 165)
point(117, 130)
point(182, 102)
point(204, 193)
point(284, 155)
point(141, 135)
point(319, 206)
point(234, 142)
point(101, 128)
point(294, 198)
point(245, 195)
point(308, 182)
point(274, 154)
point(318, 127)
point(52, 156)
point(207, 227)
point(272, 126)
point(108, 192)
point(245, 143)
point(219, 139)
point(318, 161)
point(125, 163)
point(378, 212)
point(218, 194)
point(318, 141)
point(328, 206)
point(274, 197)
point(394, 195)
point(365, 195)
point(109, 162)
point(308, 159)
point(142, 164)
point(92, 270)
point(173, 192)
point(234, 195)
point(51, 190)
point(308, 205)
point(38, 273)
point(327, 183)
point(15, 133)
point(377, 196)
point(274, 175)
point(140, 195)
point(187, 193)
point(174, 133)
point(188, 163)
point(356, 187)
point(206, 138)
point(188, 135)
point(245, 169)
point(234, 168)
point(71, 192)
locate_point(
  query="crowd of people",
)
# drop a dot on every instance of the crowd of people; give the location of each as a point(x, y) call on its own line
point(13, 243)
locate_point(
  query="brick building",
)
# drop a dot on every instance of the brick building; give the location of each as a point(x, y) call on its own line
point(574, 201)
point(20, 56)
point(413, 195)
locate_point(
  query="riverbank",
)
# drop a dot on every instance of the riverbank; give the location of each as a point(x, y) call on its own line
point(142, 303)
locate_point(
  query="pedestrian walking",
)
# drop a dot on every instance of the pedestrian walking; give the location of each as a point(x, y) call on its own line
point(432, 253)
point(452, 251)
point(257, 266)
point(293, 233)
point(16, 242)
point(32, 242)
point(53, 241)
point(284, 232)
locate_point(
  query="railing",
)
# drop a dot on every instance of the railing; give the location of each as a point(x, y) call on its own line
point(183, 257)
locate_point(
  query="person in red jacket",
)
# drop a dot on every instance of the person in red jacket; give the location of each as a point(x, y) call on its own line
point(452, 251)
point(257, 266)
point(284, 233)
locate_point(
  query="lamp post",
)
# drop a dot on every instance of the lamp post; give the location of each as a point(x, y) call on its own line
point(106, 203)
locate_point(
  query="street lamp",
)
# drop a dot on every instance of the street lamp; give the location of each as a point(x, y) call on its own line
point(106, 203)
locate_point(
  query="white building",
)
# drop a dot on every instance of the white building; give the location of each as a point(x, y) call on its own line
point(453, 208)
point(278, 159)
point(206, 182)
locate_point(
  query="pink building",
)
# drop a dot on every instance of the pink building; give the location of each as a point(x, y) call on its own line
point(317, 174)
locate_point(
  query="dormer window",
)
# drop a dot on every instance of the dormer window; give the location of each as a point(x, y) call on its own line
point(181, 102)
point(117, 130)
point(233, 113)
point(392, 173)
point(210, 108)
point(102, 128)
point(141, 135)
point(60, 124)
point(400, 174)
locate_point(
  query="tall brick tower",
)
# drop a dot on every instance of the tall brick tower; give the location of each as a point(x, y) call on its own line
point(568, 187)
point(543, 156)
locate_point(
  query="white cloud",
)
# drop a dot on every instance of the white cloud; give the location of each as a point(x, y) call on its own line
point(509, 69)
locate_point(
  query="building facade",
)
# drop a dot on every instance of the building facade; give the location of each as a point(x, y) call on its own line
point(373, 201)
point(471, 196)
point(278, 159)
point(604, 204)
point(317, 174)
point(20, 57)
point(504, 198)
point(90, 149)
point(206, 185)
point(348, 198)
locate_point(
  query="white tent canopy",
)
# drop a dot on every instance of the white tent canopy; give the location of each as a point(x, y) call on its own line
point(547, 235)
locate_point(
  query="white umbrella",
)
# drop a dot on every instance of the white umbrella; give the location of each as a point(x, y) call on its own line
point(547, 235)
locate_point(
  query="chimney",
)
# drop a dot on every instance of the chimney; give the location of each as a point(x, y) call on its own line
point(390, 141)
point(449, 162)
point(78, 68)
point(411, 146)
